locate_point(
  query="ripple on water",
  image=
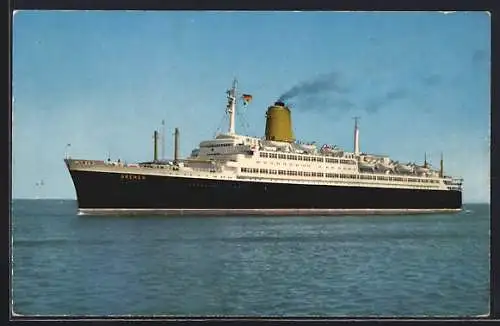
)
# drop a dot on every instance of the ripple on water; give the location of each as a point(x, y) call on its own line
point(376, 266)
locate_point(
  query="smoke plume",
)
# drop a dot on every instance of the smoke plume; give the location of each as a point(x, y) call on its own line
point(479, 56)
point(330, 92)
point(431, 80)
point(390, 96)
point(321, 84)
point(321, 103)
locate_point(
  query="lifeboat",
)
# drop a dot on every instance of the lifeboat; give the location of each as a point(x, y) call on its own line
point(421, 169)
point(308, 147)
point(433, 173)
point(404, 168)
point(366, 165)
point(382, 166)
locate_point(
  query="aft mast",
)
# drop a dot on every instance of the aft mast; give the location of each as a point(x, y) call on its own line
point(356, 136)
point(231, 106)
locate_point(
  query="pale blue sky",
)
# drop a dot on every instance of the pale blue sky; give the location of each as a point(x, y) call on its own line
point(103, 81)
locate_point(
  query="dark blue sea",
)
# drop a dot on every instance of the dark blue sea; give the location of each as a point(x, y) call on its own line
point(414, 265)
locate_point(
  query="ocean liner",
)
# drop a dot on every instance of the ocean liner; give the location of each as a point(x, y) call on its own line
point(234, 174)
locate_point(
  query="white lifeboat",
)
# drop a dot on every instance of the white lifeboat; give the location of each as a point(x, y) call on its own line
point(383, 166)
point(365, 165)
point(404, 168)
point(421, 169)
point(433, 173)
point(309, 149)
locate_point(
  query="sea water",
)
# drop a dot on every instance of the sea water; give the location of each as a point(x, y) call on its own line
point(408, 265)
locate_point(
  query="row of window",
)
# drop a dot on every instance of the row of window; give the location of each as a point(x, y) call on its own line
point(218, 145)
point(85, 162)
point(238, 186)
point(154, 166)
point(334, 175)
point(305, 158)
point(282, 172)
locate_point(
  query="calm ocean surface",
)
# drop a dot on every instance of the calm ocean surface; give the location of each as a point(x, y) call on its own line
point(421, 265)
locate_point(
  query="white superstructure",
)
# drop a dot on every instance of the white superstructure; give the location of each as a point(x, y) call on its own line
point(230, 156)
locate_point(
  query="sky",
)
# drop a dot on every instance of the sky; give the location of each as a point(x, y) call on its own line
point(103, 82)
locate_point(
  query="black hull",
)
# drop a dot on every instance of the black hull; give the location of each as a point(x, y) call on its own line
point(114, 191)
